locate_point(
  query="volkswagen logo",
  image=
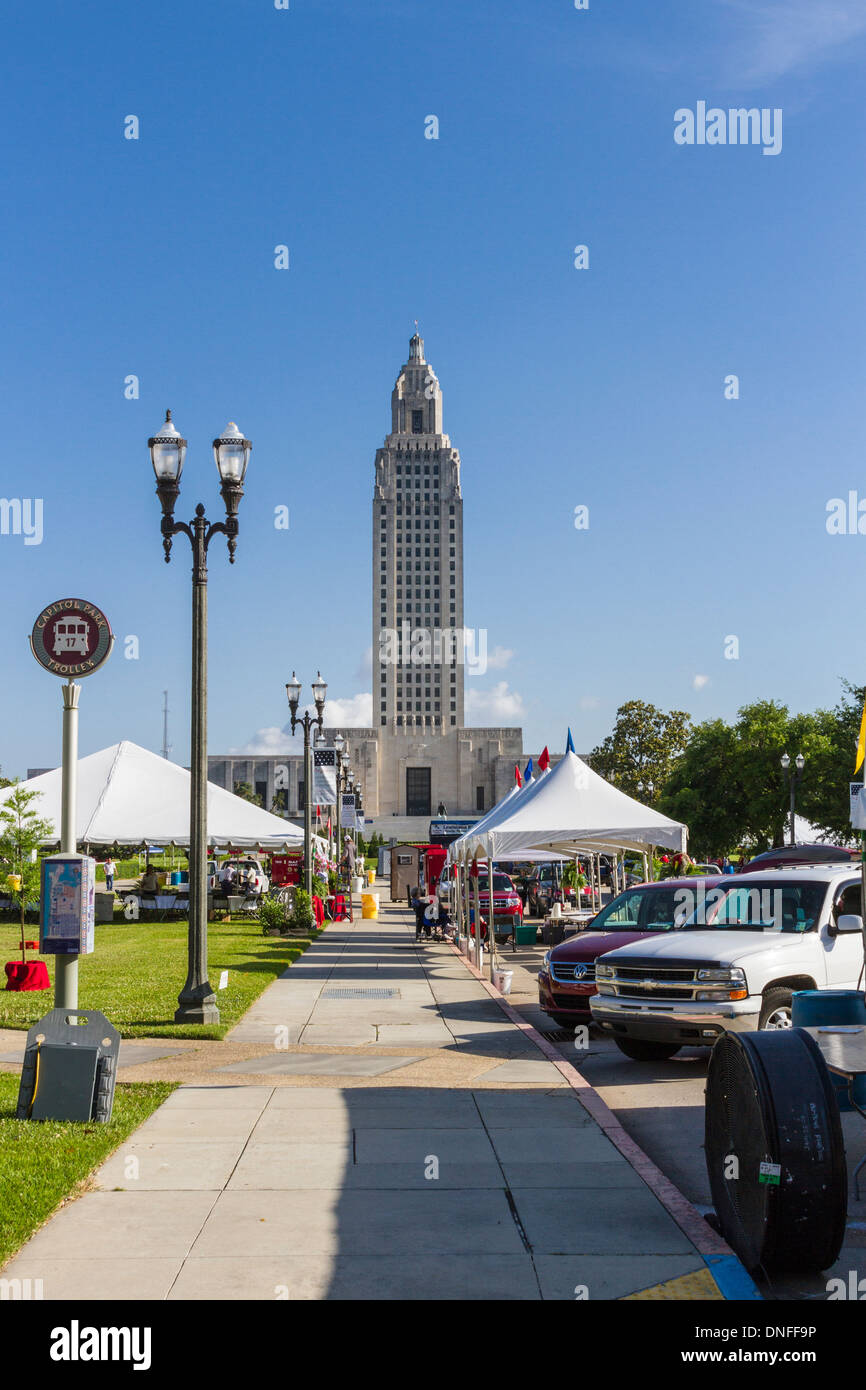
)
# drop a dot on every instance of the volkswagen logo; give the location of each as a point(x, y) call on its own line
point(579, 972)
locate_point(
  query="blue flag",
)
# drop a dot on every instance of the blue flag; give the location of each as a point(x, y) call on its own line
point(527, 776)
point(569, 747)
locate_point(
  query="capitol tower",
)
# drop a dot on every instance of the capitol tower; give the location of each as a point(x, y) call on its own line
point(426, 755)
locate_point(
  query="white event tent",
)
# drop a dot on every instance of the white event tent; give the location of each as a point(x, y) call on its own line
point(570, 810)
point(127, 795)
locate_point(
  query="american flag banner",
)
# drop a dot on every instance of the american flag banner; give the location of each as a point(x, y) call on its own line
point(348, 816)
point(325, 776)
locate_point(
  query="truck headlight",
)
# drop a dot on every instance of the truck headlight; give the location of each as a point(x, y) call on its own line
point(604, 972)
point(729, 982)
point(727, 975)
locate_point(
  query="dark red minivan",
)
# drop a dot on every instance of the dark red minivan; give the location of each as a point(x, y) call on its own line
point(567, 976)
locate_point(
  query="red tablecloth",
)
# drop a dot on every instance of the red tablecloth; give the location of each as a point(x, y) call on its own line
point(31, 974)
point(318, 910)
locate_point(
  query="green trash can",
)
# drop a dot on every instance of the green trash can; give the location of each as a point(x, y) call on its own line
point(526, 935)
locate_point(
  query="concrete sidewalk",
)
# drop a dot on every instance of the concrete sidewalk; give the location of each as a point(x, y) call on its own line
point(395, 1136)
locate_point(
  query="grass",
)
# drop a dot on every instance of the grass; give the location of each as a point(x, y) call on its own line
point(43, 1162)
point(138, 969)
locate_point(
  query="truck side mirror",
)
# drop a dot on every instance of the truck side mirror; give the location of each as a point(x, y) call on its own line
point(849, 921)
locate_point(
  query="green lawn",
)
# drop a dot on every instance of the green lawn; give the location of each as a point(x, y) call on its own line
point(138, 969)
point(41, 1162)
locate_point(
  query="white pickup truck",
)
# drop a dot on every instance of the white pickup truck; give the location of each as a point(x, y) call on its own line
point(733, 960)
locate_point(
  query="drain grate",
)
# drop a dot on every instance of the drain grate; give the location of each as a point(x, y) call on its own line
point(360, 993)
point(557, 1034)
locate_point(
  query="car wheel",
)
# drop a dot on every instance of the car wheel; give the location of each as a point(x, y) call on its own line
point(776, 1009)
point(640, 1050)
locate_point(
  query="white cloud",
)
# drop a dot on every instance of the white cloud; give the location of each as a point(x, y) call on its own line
point(355, 712)
point(499, 658)
point(780, 36)
point(270, 743)
point(589, 702)
point(495, 705)
point(698, 682)
point(352, 713)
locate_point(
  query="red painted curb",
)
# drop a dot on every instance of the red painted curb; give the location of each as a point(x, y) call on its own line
point(705, 1240)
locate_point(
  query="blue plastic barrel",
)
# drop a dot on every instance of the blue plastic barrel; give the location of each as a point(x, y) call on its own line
point(816, 1008)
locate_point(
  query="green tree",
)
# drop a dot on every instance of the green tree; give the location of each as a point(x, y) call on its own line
point(22, 830)
point(822, 796)
point(729, 786)
point(644, 746)
point(703, 790)
point(244, 790)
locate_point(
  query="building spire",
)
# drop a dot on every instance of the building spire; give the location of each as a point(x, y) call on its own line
point(416, 346)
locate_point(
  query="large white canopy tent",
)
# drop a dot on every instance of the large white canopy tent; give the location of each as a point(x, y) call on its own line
point(570, 810)
point(127, 795)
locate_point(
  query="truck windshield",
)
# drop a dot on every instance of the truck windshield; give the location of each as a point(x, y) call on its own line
point(760, 906)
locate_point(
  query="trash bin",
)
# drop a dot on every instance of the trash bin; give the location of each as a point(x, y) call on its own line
point(502, 980)
point(370, 906)
point(371, 877)
point(526, 934)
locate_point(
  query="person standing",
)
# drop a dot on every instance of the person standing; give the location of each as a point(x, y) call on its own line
point(109, 869)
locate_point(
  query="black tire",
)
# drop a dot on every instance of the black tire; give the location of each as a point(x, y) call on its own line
point(641, 1050)
point(777, 1006)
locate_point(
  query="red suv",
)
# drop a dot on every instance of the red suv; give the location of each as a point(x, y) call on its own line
point(567, 976)
point(507, 907)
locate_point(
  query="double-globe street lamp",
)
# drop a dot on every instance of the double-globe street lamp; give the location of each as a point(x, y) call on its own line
point(197, 1002)
point(793, 780)
point(307, 720)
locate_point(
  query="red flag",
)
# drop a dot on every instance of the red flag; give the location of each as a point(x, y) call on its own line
point(473, 872)
point(544, 760)
point(517, 777)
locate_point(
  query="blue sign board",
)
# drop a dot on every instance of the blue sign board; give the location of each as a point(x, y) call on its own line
point(68, 905)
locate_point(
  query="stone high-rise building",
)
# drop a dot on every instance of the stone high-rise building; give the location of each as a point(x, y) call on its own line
point(418, 752)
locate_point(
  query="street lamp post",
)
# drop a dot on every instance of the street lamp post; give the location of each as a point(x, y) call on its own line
point(307, 720)
point(793, 780)
point(339, 745)
point(197, 1002)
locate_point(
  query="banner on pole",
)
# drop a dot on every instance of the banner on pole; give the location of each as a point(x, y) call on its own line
point(349, 816)
point(325, 776)
point(858, 805)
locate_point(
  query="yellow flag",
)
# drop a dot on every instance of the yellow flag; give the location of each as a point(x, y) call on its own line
point(861, 741)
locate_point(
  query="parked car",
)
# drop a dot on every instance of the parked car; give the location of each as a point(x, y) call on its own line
point(788, 855)
point(260, 883)
point(735, 962)
point(544, 888)
point(507, 907)
point(566, 981)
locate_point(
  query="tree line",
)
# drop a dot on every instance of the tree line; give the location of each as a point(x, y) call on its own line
point(725, 781)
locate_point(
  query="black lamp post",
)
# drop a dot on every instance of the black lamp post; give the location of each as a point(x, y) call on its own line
point(197, 1002)
point(307, 720)
point(793, 780)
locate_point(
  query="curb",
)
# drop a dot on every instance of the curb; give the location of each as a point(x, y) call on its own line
point(730, 1275)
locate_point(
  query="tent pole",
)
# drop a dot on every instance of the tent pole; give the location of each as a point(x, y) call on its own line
point(491, 933)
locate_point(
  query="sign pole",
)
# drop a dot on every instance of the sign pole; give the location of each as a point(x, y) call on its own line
point(66, 967)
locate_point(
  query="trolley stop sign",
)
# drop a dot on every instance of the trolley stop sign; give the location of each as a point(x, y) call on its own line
point(71, 638)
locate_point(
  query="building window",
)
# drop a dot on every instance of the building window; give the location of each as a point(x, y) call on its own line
point(417, 424)
point(479, 799)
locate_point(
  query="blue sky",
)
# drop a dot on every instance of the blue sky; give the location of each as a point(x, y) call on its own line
point(602, 387)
